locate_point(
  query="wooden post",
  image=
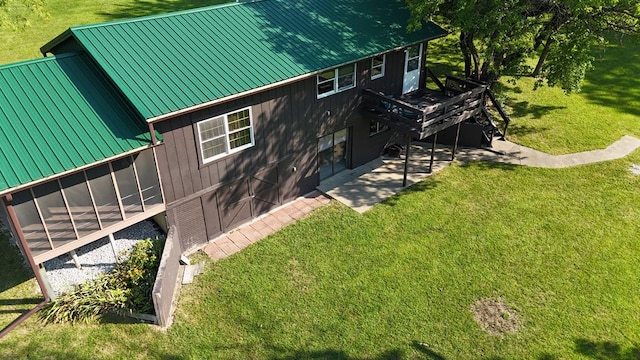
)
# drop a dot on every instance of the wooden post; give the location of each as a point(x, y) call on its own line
point(433, 151)
point(455, 144)
point(113, 247)
point(406, 161)
point(75, 259)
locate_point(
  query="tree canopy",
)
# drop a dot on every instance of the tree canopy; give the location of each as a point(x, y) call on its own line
point(497, 37)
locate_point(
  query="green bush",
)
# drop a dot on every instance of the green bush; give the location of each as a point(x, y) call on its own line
point(127, 288)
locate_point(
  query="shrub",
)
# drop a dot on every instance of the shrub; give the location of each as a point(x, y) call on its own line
point(127, 288)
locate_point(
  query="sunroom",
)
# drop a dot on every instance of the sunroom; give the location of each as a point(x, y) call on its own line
point(77, 162)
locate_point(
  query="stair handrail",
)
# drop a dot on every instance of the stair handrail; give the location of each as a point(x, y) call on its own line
point(501, 111)
point(436, 80)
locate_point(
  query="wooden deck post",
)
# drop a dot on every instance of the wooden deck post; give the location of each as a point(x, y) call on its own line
point(455, 144)
point(433, 151)
point(406, 161)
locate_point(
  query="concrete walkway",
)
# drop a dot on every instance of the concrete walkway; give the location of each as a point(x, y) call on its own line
point(367, 185)
point(508, 152)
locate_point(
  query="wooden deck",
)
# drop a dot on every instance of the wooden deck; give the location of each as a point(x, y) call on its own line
point(424, 112)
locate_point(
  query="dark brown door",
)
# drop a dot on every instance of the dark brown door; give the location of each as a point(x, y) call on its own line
point(264, 186)
point(235, 202)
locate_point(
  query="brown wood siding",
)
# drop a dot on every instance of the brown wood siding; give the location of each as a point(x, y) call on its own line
point(288, 121)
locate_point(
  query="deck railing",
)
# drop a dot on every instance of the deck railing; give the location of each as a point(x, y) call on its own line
point(423, 121)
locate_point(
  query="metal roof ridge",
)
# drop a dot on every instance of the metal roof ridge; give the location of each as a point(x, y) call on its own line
point(164, 15)
point(42, 59)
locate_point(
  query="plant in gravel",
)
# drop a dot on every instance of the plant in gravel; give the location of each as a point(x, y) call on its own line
point(125, 289)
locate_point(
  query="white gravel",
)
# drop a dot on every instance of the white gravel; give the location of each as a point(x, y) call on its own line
point(96, 258)
point(635, 169)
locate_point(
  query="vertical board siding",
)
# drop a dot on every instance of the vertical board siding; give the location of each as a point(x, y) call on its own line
point(287, 122)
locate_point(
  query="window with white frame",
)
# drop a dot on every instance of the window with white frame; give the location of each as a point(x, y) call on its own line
point(376, 128)
point(336, 80)
point(377, 66)
point(225, 134)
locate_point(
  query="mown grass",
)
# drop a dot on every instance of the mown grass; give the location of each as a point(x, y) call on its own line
point(559, 246)
point(25, 43)
point(607, 108)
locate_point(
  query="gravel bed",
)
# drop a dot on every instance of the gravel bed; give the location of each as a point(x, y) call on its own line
point(96, 258)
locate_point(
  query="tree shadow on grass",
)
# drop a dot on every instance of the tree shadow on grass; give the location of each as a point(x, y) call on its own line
point(144, 7)
point(424, 185)
point(524, 108)
point(614, 81)
point(606, 350)
point(519, 130)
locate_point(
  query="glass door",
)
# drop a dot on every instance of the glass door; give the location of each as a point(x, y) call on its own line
point(332, 153)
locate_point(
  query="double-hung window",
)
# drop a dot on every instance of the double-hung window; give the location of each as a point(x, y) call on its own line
point(336, 80)
point(377, 66)
point(226, 134)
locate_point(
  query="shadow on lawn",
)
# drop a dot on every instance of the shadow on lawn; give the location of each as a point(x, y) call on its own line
point(424, 185)
point(143, 7)
point(13, 271)
point(396, 354)
point(606, 350)
point(614, 81)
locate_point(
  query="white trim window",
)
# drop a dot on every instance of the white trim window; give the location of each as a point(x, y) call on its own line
point(226, 134)
point(377, 66)
point(336, 80)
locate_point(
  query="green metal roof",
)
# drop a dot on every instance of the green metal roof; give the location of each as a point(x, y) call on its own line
point(58, 114)
point(175, 61)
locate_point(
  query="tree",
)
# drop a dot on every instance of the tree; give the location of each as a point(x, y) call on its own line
point(16, 14)
point(497, 37)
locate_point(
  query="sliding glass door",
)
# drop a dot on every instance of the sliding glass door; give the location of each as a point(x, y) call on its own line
point(332, 153)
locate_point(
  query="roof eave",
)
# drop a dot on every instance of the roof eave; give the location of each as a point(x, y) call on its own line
point(44, 49)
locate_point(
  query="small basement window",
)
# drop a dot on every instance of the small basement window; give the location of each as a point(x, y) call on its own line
point(226, 134)
point(377, 66)
point(376, 128)
point(336, 80)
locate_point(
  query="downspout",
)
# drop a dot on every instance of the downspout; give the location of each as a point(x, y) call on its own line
point(36, 271)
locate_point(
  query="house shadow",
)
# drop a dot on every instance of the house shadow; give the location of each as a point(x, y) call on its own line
point(13, 270)
point(145, 8)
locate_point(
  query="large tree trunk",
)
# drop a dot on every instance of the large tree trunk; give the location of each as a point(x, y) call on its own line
point(470, 54)
point(543, 56)
point(466, 55)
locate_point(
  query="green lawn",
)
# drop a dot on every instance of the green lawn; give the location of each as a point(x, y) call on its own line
point(558, 246)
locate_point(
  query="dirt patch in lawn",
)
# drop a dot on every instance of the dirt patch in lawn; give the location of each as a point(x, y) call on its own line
point(635, 169)
point(495, 317)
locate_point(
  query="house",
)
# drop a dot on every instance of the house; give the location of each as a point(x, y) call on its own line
point(206, 118)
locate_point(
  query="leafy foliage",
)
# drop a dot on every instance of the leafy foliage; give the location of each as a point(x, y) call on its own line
point(499, 37)
point(127, 288)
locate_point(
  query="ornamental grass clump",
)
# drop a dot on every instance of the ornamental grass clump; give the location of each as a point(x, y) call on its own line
point(125, 289)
